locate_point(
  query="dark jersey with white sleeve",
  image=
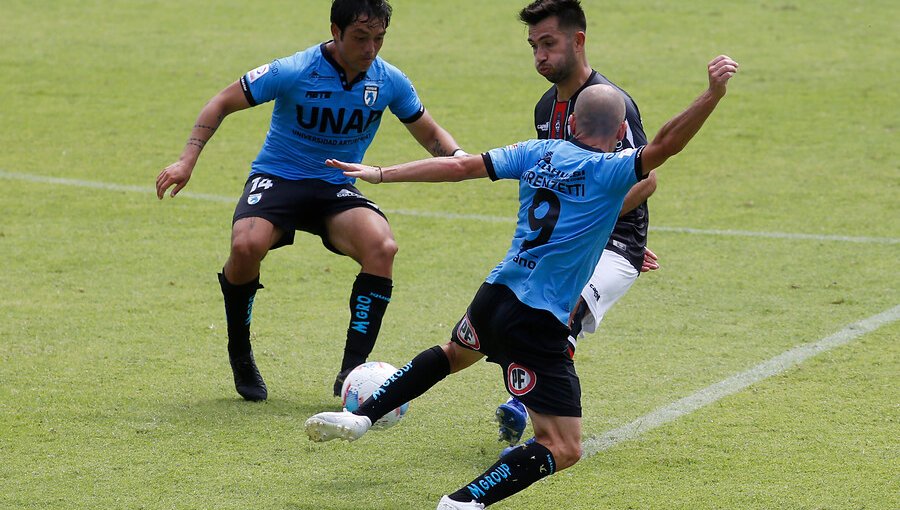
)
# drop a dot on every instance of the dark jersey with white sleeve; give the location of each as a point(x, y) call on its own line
point(629, 237)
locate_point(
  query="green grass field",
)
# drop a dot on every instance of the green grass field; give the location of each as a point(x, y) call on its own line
point(778, 226)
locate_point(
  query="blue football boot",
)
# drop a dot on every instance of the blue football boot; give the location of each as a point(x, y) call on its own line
point(512, 418)
point(511, 448)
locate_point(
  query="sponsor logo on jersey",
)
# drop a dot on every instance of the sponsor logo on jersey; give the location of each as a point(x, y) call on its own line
point(339, 122)
point(370, 95)
point(465, 333)
point(258, 72)
point(254, 198)
point(543, 127)
point(345, 193)
point(315, 94)
point(520, 380)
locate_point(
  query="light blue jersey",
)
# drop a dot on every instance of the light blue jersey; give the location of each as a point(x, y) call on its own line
point(320, 114)
point(571, 195)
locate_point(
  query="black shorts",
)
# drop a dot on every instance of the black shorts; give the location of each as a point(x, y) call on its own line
point(530, 345)
point(298, 205)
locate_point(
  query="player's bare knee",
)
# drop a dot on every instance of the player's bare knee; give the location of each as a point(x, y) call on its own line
point(387, 249)
point(245, 251)
point(380, 254)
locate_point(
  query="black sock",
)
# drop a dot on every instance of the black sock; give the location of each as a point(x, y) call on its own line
point(514, 471)
point(414, 379)
point(368, 302)
point(238, 311)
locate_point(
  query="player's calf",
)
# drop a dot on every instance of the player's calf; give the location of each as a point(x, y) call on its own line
point(514, 472)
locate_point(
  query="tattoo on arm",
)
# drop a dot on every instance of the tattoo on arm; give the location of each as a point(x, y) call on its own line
point(438, 150)
point(197, 142)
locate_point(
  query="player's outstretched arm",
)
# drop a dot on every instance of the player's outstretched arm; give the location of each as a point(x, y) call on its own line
point(677, 132)
point(228, 101)
point(425, 170)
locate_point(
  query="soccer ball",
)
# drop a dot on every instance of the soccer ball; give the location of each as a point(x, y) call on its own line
point(362, 381)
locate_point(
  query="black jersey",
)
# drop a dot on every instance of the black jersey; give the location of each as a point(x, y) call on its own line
point(629, 237)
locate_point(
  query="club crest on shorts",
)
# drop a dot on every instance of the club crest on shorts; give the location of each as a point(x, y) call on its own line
point(520, 380)
point(254, 198)
point(370, 95)
point(466, 333)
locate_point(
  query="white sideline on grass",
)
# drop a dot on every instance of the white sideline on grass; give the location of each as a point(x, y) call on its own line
point(736, 383)
point(447, 216)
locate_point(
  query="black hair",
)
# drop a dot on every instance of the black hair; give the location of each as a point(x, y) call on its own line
point(346, 12)
point(568, 12)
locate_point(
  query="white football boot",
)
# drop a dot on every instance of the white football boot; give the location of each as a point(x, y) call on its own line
point(336, 425)
point(448, 504)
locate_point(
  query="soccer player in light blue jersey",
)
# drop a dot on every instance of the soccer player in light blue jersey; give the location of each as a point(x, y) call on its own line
point(571, 193)
point(329, 101)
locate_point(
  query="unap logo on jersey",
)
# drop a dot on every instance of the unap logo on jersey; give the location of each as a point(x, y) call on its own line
point(520, 380)
point(370, 95)
point(466, 333)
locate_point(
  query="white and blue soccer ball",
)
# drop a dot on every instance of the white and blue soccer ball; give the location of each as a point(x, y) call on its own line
point(364, 380)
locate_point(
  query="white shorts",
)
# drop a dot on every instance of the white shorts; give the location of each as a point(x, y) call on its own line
point(612, 278)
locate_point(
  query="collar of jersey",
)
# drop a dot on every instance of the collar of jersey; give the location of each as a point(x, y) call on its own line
point(585, 146)
point(340, 70)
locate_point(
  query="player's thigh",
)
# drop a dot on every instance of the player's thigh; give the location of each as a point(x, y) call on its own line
point(360, 232)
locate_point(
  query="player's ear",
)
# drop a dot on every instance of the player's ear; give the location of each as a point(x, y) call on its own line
point(623, 128)
point(579, 40)
point(336, 33)
point(571, 121)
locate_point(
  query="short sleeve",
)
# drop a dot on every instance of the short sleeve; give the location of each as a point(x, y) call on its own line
point(268, 81)
point(260, 85)
point(512, 161)
point(405, 104)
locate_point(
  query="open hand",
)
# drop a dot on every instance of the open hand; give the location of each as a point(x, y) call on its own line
point(372, 174)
